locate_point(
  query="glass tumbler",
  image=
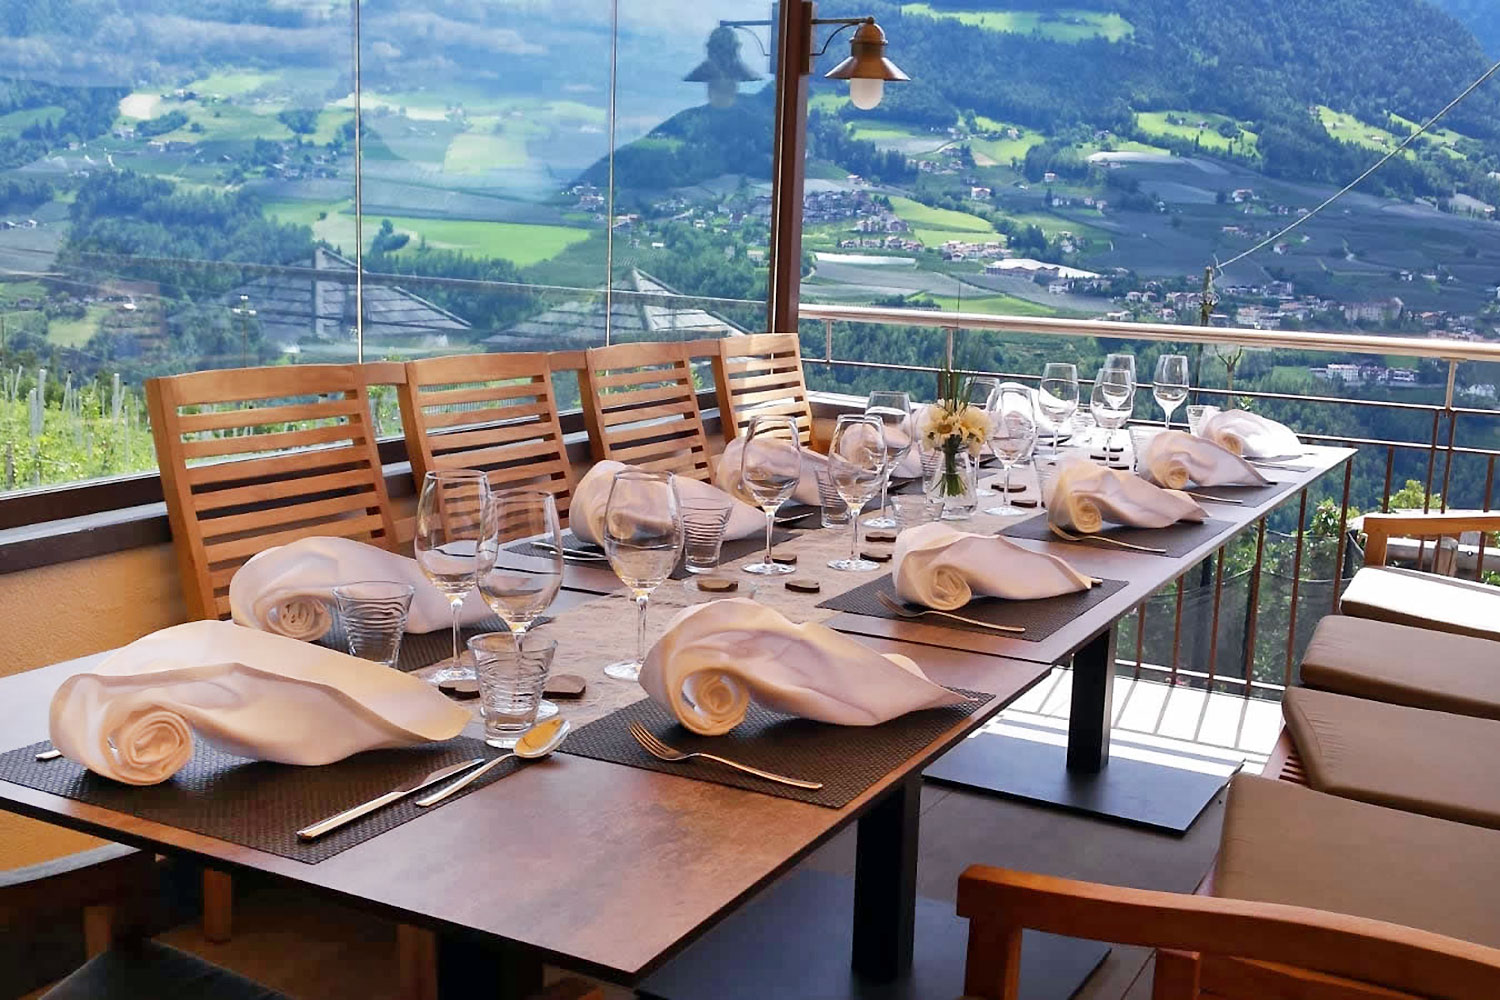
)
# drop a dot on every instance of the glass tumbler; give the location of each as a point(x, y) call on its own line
point(373, 613)
point(1197, 413)
point(510, 683)
point(703, 523)
point(835, 510)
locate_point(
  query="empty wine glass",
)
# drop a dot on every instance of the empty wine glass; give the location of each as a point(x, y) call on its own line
point(519, 597)
point(857, 467)
point(1171, 384)
point(1012, 436)
point(1057, 396)
point(770, 466)
point(1125, 363)
point(1111, 402)
point(893, 410)
point(454, 523)
point(981, 387)
point(643, 539)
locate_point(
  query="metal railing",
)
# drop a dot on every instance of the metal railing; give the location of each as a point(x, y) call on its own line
point(1223, 623)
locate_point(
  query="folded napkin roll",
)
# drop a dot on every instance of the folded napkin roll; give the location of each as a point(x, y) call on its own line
point(727, 475)
point(715, 657)
point(1250, 434)
point(591, 497)
point(1084, 496)
point(289, 589)
point(1174, 459)
point(250, 693)
point(940, 567)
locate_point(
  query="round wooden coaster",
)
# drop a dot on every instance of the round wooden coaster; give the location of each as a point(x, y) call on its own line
point(1014, 487)
point(1019, 502)
point(880, 536)
point(717, 584)
point(802, 586)
point(565, 686)
point(462, 690)
point(784, 558)
point(877, 556)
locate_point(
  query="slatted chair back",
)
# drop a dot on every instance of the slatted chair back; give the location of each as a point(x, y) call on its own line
point(1451, 543)
point(496, 413)
point(252, 458)
point(761, 374)
point(641, 408)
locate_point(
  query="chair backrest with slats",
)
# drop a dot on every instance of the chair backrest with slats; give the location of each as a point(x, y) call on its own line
point(492, 412)
point(257, 457)
point(641, 408)
point(761, 374)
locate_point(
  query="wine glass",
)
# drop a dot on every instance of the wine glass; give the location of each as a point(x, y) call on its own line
point(519, 597)
point(642, 539)
point(981, 387)
point(1126, 363)
point(1111, 401)
point(893, 410)
point(1012, 436)
point(856, 467)
point(770, 467)
point(1057, 396)
point(454, 525)
point(1171, 384)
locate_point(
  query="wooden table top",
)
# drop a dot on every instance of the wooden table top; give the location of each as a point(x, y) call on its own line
point(1143, 573)
point(602, 868)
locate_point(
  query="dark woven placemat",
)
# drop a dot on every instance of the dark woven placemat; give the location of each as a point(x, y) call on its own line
point(259, 804)
point(1178, 539)
point(1039, 618)
point(847, 759)
point(734, 548)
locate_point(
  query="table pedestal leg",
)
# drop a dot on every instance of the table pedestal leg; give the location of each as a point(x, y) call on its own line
point(885, 884)
point(466, 970)
point(1093, 704)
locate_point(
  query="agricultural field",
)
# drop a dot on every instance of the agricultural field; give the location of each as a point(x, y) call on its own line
point(1064, 25)
point(1002, 151)
point(1347, 128)
point(76, 332)
point(1005, 305)
point(1200, 126)
point(936, 226)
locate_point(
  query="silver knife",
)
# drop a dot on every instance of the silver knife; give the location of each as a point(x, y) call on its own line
point(332, 823)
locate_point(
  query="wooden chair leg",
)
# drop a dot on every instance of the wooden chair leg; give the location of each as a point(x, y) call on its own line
point(218, 906)
point(416, 959)
point(1176, 975)
point(992, 970)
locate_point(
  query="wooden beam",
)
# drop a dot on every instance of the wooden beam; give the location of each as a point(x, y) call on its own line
point(794, 29)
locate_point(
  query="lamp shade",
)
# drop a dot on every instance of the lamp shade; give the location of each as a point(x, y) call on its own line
point(867, 59)
point(723, 70)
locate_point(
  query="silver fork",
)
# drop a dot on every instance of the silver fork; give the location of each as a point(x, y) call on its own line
point(661, 751)
point(1212, 499)
point(903, 611)
point(1068, 536)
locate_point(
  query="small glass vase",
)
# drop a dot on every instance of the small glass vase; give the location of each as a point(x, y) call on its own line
point(953, 487)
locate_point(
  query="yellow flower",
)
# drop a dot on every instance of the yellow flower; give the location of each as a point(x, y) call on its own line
point(975, 425)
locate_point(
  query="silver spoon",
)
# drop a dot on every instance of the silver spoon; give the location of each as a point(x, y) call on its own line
point(537, 742)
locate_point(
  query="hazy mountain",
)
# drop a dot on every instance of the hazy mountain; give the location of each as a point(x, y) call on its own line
point(1482, 18)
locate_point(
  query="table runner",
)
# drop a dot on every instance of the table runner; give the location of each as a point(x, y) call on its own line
point(258, 804)
point(1039, 618)
point(735, 548)
point(1178, 539)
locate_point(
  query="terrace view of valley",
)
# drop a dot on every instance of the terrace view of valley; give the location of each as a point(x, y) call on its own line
point(181, 194)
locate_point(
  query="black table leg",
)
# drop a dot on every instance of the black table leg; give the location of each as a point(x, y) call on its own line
point(885, 884)
point(468, 970)
point(1093, 701)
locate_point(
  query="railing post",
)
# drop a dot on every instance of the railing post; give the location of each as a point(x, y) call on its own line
point(948, 349)
point(1291, 623)
point(828, 342)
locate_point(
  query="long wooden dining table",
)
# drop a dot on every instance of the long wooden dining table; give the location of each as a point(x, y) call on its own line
point(614, 871)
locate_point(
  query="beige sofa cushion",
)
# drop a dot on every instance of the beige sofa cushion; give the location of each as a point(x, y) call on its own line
point(1283, 843)
point(1404, 665)
point(1406, 758)
point(1407, 597)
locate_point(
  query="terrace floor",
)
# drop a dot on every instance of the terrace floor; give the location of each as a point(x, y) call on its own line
point(313, 950)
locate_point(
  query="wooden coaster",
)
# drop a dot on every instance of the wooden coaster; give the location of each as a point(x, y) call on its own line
point(462, 690)
point(876, 556)
point(565, 686)
point(784, 558)
point(880, 536)
point(803, 586)
point(717, 584)
point(1024, 503)
point(1013, 488)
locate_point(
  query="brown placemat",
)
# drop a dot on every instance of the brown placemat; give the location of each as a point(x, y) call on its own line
point(847, 759)
point(1178, 539)
point(258, 804)
point(734, 548)
point(1039, 618)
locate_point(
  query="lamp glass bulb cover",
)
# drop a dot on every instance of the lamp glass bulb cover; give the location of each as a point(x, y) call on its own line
point(866, 94)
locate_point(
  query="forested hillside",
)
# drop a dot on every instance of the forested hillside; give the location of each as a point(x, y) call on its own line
point(1482, 18)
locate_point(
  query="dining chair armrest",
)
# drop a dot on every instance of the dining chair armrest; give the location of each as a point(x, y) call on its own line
point(1000, 904)
point(1380, 528)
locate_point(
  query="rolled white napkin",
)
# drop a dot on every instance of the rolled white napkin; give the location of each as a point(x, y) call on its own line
point(1085, 496)
point(1174, 459)
point(248, 692)
point(289, 589)
point(586, 512)
point(716, 657)
point(727, 475)
point(940, 567)
point(1250, 434)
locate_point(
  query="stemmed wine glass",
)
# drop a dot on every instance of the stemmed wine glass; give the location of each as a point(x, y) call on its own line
point(1012, 436)
point(454, 525)
point(642, 539)
point(856, 467)
point(981, 387)
point(1171, 385)
point(1111, 401)
point(519, 597)
point(893, 410)
point(770, 467)
point(1057, 396)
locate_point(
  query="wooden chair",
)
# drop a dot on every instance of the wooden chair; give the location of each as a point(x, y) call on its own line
point(1217, 948)
point(1445, 602)
point(641, 408)
point(251, 458)
point(492, 412)
point(761, 374)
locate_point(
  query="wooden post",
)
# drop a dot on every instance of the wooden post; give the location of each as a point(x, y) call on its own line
point(794, 29)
